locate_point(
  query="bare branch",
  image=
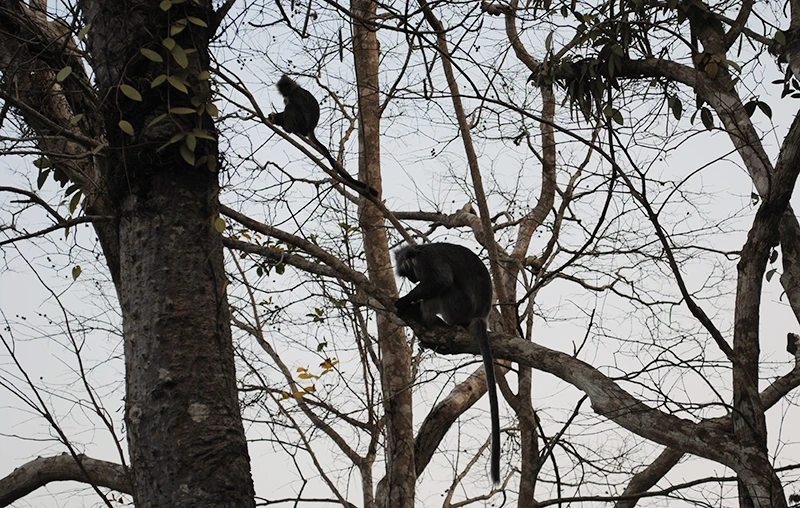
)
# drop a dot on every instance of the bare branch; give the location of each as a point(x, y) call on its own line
point(44, 470)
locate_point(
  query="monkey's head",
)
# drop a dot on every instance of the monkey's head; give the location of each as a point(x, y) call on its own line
point(406, 261)
point(286, 85)
point(276, 118)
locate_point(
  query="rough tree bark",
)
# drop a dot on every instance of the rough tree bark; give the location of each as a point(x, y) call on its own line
point(185, 434)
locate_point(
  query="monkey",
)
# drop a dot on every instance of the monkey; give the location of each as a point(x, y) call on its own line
point(452, 282)
point(300, 116)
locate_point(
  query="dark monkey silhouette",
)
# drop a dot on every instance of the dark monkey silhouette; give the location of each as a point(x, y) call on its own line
point(452, 282)
point(300, 116)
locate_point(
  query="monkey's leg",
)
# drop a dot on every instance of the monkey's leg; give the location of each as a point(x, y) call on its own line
point(430, 311)
point(434, 285)
point(457, 308)
point(419, 312)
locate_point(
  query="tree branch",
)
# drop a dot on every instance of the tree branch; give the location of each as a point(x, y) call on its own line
point(43, 470)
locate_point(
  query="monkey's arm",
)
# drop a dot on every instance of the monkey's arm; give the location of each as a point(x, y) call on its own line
point(414, 311)
point(408, 310)
point(433, 283)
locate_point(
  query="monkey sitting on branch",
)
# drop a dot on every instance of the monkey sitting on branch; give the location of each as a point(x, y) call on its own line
point(300, 116)
point(452, 282)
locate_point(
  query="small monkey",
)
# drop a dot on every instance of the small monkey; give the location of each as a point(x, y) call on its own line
point(300, 116)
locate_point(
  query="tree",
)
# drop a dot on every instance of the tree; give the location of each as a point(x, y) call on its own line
point(154, 213)
point(624, 248)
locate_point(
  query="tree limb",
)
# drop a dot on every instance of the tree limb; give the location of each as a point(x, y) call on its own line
point(43, 470)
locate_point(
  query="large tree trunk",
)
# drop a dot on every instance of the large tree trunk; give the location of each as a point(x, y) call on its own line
point(185, 434)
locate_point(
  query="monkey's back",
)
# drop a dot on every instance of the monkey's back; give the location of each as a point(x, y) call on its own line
point(301, 113)
point(473, 279)
point(470, 279)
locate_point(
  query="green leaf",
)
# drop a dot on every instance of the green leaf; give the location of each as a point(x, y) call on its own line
point(219, 224)
point(75, 119)
point(178, 84)
point(72, 188)
point(131, 93)
point(98, 148)
point(76, 272)
point(771, 273)
point(211, 163)
point(188, 155)
point(84, 31)
point(158, 80)
point(42, 178)
point(151, 55)
point(773, 257)
point(182, 111)
point(165, 5)
point(733, 65)
point(156, 120)
point(176, 29)
point(780, 38)
point(73, 203)
point(63, 73)
point(191, 142)
point(280, 268)
point(202, 134)
point(126, 127)
point(168, 43)
point(180, 56)
point(197, 21)
point(617, 117)
point(750, 107)
point(174, 139)
point(42, 163)
point(676, 106)
point(764, 107)
point(212, 110)
point(204, 76)
point(706, 118)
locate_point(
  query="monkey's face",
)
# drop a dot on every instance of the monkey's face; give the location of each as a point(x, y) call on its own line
point(407, 268)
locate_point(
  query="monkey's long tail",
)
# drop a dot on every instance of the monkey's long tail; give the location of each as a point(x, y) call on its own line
point(478, 329)
point(361, 186)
